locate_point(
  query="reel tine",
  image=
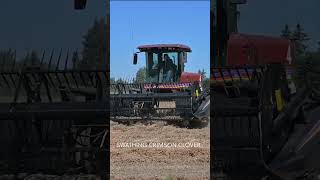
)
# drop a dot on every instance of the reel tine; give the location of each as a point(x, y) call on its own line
point(91, 78)
point(5, 80)
point(50, 80)
point(1, 71)
point(12, 79)
point(58, 79)
point(42, 59)
point(3, 62)
point(74, 59)
point(14, 60)
point(82, 79)
point(57, 65)
point(64, 73)
point(66, 79)
point(47, 87)
point(1, 82)
point(66, 61)
point(25, 61)
point(106, 77)
point(74, 79)
point(98, 77)
point(50, 60)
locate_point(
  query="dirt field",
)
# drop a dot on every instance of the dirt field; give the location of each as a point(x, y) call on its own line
point(181, 161)
point(24, 176)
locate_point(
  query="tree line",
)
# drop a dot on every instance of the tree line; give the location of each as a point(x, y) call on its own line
point(304, 57)
point(92, 55)
point(300, 40)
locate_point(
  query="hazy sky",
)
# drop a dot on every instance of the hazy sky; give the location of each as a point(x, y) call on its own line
point(38, 24)
point(270, 16)
point(152, 22)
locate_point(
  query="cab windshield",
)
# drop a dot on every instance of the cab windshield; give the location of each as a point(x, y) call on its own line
point(163, 67)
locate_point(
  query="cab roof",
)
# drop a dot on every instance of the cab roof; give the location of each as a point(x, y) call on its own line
point(170, 47)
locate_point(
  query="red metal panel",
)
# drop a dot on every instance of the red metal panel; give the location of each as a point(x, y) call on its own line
point(257, 50)
point(190, 77)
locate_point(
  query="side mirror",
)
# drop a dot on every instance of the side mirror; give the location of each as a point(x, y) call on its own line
point(80, 4)
point(135, 58)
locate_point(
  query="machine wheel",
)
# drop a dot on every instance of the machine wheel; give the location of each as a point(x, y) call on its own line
point(184, 123)
point(200, 123)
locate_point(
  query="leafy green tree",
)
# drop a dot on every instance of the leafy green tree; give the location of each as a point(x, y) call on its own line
point(141, 75)
point(95, 45)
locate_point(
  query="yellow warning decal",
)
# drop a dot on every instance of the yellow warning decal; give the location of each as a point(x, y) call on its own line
point(279, 100)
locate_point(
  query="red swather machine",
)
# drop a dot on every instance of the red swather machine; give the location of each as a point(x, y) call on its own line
point(262, 125)
point(168, 93)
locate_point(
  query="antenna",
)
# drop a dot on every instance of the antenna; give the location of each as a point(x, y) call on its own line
point(132, 34)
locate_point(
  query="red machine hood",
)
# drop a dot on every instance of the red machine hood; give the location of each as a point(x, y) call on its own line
point(190, 77)
point(186, 80)
point(257, 50)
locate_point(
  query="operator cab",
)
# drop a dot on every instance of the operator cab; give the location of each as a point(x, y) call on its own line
point(164, 62)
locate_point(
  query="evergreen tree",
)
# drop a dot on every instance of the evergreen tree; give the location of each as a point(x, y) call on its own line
point(300, 38)
point(204, 78)
point(203, 73)
point(95, 45)
point(286, 32)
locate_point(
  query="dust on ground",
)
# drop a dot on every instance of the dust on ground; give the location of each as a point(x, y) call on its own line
point(159, 162)
point(25, 176)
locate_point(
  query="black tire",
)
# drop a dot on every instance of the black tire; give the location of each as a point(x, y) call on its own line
point(199, 123)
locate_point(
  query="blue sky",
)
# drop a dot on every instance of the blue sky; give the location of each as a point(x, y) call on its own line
point(133, 23)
